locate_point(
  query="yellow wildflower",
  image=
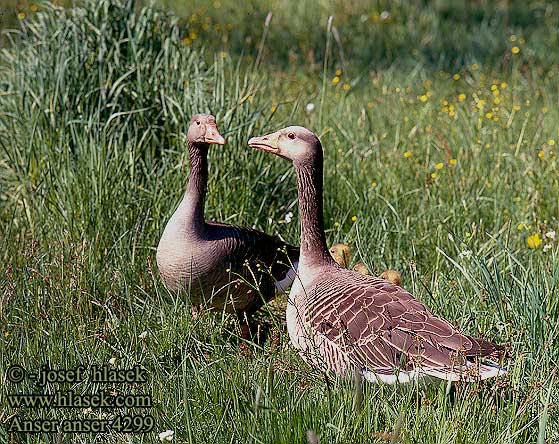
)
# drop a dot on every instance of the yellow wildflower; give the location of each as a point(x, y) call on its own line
point(439, 166)
point(515, 49)
point(433, 175)
point(21, 15)
point(353, 218)
point(504, 85)
point(423, 98)
point(369, 104)
point(494, 87)
point(475, 67)
point(338, 72)
point(516, 107)
point(489, 115)
point(551, 142)
point(335, 80)
point(453, 162)
point(347, 86)
point(541, 154)
point(534, 240)
point(456, 76)
point(407, 154)
point(373, 184)
point(273, 108)
point(34, 8)
point(496, 100)
point(545, 109)
point(461, 97)
point(512, 38)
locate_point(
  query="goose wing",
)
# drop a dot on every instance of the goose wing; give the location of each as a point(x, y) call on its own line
point(265, 255)
point(383, 329)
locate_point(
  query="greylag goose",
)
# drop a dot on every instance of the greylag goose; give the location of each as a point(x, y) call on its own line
point(391, 276)
point(341, 253)
point(360, 267)
point(341, 320)
point(216, 262)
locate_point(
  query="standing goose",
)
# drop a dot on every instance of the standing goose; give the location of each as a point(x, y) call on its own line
point(213, 260)
point(341, 320)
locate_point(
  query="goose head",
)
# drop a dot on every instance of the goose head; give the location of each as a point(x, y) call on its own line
point(294, 143)
point(341, 254)
point(360, 267)
point(392, 276)
point(203, 130)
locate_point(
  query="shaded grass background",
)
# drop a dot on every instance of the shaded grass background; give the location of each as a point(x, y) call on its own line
point(93, 163)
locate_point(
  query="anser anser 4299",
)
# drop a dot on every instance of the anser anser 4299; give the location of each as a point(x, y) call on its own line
point(341, 320)
point(213, 260)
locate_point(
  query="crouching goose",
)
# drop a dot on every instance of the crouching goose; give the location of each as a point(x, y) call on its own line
point(390, 276)
point(341, 320)
point(341, 253)
point(218, 263)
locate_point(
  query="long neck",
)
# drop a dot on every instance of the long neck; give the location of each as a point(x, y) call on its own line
point(192, 205)
point(313, 240)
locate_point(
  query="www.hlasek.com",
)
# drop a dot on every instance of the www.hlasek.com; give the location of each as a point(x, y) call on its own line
point(69, 398)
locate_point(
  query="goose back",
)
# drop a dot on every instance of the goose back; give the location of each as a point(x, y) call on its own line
point(340, 319)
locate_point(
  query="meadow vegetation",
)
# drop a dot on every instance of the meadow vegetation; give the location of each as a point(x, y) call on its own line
point(439, 125)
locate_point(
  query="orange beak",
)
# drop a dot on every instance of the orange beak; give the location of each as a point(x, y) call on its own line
point(266, 143)
point(212, 135)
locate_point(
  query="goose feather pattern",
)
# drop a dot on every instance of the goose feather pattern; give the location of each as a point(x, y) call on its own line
point(341, 320)
point(222, 266)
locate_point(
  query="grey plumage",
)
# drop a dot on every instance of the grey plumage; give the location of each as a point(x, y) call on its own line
point(222, 266)
point(341, 320)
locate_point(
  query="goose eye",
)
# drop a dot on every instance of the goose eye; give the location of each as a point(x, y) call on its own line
point(197, 122)
point(291, 136)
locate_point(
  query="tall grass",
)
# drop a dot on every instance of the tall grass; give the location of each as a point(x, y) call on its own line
point(93, 162)
point(440, 34)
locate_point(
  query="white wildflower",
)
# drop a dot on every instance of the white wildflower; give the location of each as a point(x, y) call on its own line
point(288, 217)
point(87, 411)
point(547, 247)
point(550, 234)
point(143, 335)
point(310, 107)
point(384, 15)
point(466, 254)
point(112, 361)
point(167, 435)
